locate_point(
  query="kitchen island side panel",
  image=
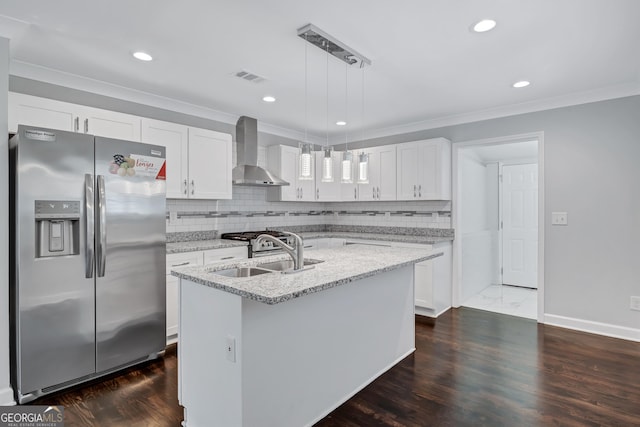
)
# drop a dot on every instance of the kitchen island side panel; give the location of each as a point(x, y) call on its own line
point(295, 361)
point(305, 357)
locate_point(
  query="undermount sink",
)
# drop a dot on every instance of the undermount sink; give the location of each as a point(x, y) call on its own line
point(287, 264)
point(242, 272)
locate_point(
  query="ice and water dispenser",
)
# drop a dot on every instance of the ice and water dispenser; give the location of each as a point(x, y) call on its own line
point(57, 228)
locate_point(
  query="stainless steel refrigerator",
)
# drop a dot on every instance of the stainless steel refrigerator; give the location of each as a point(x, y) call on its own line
point(87, 257)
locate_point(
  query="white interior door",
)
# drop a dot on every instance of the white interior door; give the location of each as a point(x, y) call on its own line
point(520, 225)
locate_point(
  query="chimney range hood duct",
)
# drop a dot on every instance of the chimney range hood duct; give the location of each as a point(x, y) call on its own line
point(248, 172)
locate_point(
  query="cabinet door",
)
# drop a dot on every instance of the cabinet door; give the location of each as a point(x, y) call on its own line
point(41, 112)
point(424, 284)
point(209, 164)
point(387, 173)
point(173, 288)
point(109, 124)
point(175, 139)
point(369, 191)
point(408, 165)
point(429, 172)
point(328, 191)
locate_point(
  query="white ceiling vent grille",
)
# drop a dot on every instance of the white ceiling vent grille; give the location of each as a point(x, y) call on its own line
point(249, 76)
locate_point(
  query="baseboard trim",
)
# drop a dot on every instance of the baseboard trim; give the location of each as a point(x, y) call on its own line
point(6, 397)
point(429, 312)
point(589, 326)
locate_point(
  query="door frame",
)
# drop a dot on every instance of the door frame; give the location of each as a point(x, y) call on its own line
point(456, 217)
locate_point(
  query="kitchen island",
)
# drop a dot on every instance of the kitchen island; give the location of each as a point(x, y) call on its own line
point(286, 349)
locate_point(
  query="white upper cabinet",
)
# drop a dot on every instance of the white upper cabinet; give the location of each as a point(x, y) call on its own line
point(283, 160)
point(174, 138)
point(210, 164)
point(198, 160)
point(48, 113)
point(424, 170)
point(328, 191)
point(382, 174)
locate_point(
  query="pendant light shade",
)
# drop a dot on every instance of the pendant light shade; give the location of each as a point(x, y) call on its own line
point(306, 171)
point(363, 168)
point(327, 165)
point(347, 168)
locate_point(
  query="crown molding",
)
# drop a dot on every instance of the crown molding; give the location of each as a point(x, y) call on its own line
point(86, 84)
point(577, 98)
point(73, 81)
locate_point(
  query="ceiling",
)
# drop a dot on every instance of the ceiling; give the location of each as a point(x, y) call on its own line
point(428, 67)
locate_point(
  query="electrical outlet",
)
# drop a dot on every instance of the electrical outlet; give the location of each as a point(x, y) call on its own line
point(231, 349)
point(173, 217)
point(635, 303)
point(559, 218)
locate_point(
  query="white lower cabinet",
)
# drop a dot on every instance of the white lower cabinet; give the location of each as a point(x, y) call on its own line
point(433, 277)
point(186, 259)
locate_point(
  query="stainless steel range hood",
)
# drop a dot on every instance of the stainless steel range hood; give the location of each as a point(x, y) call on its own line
point(248, 172)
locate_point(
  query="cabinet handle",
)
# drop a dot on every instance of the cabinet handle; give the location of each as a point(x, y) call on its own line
point(355, 193)
point(185, 186)
point(86, 125)
point(378, 193)
point(76, 124)
point(301, 193)
point(181, 264)
point(193, 187)
point(420, 190)
point(415, 188)
point(317, 193)
point(227, 257)
point(373, 190)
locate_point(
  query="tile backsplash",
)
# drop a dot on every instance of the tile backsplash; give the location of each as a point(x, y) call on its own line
point(249, 210)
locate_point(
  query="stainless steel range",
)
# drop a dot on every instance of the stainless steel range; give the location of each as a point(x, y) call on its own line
point(265, 247)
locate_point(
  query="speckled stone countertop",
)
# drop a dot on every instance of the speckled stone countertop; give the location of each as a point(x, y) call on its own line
point(341, 265)
point(425, 240)
point(202, 245)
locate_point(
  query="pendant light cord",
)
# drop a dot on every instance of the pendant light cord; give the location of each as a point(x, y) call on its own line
point(306, 95)
point(327, 81)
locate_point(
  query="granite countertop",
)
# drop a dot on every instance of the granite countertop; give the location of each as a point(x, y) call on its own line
point(202, 245)
point(403, 238)
point(341, 265)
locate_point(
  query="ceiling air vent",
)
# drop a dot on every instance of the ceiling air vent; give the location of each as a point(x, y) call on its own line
point(249, 76)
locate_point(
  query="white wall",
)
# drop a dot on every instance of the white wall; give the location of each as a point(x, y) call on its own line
point(591, 171)
point(6, 394)
point(477, 253)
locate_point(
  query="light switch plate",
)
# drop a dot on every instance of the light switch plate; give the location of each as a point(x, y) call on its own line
point(559, 218)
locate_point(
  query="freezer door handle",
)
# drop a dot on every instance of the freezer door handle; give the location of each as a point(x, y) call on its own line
point(101, 252)
point(89, 220)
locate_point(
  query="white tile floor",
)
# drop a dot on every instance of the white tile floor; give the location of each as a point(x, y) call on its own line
point(510, 300)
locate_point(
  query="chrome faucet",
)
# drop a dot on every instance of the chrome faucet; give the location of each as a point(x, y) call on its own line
point(296, 251)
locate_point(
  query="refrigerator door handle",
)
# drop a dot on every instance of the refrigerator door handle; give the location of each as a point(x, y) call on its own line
point(89, 221)
point(101, 252)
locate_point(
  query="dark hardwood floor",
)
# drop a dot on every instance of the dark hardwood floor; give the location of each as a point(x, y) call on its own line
point(472, 368)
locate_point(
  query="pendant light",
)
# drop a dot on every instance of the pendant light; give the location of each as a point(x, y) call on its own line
point(327, 160)
point(363, 158)
point(347, 156)
point(305, 171)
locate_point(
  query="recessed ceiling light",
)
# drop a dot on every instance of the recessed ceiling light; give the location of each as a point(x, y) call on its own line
point(142, 56)
point(484, 25)
point(341, 123)
point(269, 98)
point(521, 83)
